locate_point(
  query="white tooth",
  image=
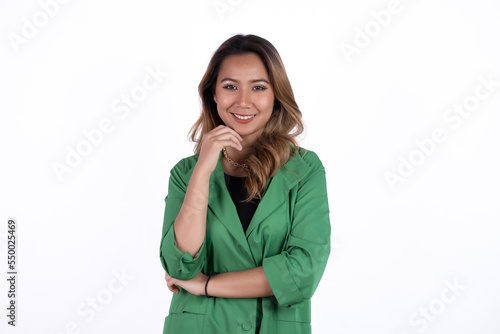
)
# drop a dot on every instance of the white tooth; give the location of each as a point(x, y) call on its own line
point(244, 117)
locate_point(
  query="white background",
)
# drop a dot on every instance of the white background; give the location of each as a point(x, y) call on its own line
point(393, 249)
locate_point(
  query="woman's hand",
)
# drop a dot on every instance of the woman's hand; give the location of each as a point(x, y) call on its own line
point(190, 223)
point(213, 142)
point(195, 286)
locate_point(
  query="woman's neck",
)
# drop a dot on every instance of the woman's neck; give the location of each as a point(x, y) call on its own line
point(238, 157)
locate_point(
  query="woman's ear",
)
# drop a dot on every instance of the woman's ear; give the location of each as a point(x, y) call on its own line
point(215, 99)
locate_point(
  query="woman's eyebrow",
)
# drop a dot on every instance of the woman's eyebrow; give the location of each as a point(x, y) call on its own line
point(251, 81)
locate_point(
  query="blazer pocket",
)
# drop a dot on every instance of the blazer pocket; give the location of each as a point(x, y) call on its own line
point(185, 302)
point(294, 319)
point(299, 312)
point(176, 323)
point(186, 313)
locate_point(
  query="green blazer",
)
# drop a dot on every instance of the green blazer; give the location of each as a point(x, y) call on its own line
point(289, 235)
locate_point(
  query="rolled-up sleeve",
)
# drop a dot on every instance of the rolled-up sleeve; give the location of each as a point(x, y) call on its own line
point(294, 274)
point(183, 266)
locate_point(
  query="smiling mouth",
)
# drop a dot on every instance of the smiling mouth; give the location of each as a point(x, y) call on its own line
point(243, 116)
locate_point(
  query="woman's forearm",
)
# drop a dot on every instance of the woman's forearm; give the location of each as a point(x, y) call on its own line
point(190, 224)
point(251, 283)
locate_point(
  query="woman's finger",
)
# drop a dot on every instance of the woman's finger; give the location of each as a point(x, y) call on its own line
point(225, 136)
point(227, 140)
point(173, 288)
point(230, 142)
point(225, 129)
point(171, 284)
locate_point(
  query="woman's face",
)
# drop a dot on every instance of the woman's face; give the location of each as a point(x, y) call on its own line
point(244, 95)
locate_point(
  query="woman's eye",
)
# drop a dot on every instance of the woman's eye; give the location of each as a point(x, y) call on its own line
point(229, 87)
point(259, 88)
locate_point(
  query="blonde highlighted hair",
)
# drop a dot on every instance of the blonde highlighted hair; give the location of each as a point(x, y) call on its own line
point(277, 142)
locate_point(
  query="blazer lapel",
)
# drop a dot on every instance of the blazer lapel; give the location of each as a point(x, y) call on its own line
point(277, 189)
point(222, 206)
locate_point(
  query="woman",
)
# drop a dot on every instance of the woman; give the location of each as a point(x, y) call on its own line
point(246, 232)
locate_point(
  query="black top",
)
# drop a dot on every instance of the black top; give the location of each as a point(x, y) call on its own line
point(236, 187)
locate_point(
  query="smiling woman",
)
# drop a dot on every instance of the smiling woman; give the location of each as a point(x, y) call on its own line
point(251, 205)
point(257, 65)
point(244, 96)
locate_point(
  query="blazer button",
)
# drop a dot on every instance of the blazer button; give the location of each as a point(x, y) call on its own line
point(246, 326)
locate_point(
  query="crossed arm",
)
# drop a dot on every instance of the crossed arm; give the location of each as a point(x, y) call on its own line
point(294, 273)
point(251, 283)
point(189, 227)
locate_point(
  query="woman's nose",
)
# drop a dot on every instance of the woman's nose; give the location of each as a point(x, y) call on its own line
point(244, 100)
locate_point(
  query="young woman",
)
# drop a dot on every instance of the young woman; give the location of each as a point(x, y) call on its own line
point(246, 232)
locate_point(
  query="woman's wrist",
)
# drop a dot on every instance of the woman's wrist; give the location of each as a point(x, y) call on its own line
point(201, 173)
point(206, 284)
point(251, 283)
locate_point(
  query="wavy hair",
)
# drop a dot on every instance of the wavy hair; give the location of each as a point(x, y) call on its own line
point(277, 142)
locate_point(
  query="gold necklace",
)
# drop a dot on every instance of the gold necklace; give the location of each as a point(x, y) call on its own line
point(234, 163)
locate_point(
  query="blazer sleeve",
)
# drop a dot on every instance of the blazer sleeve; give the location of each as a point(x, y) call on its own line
point(294, 274)
point(183, 266)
